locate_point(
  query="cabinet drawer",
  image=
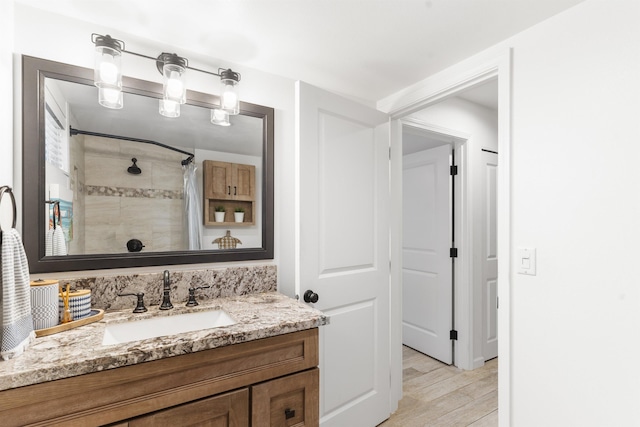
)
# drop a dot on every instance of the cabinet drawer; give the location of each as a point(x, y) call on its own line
point(226, 410)
point(287, 402)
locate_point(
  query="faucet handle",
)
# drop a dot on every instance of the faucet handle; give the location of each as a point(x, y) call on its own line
point(192, 296)
point(140, 308)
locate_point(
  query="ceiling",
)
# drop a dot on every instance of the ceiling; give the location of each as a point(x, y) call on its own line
point(416, 139)
point(366, 49)
point(485, 94)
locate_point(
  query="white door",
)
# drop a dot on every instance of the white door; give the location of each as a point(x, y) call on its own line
point(489, 256)
point(343, 249)
point(427, 293)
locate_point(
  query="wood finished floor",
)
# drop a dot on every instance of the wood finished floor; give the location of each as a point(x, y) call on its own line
point(435, 394)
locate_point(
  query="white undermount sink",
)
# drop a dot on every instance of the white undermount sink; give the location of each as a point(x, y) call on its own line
point(118, 333)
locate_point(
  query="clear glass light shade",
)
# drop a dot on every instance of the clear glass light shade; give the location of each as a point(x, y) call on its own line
point(220, 117)
point(107, 71)
point(229, 99)
point(110, 97)
point(169, 108)
point(175, 88)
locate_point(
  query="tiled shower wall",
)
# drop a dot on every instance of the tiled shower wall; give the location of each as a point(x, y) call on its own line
point(151, 201)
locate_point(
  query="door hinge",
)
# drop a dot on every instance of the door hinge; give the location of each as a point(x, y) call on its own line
point(453, 252)
point(453, 335)
point(453, 170)
point(389, 153)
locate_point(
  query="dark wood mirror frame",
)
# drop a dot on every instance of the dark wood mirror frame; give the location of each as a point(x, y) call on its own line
point(34, 72)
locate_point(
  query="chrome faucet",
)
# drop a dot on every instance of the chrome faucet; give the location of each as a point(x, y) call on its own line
point(166, 290)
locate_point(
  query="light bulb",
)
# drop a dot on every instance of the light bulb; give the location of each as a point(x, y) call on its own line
point(174, 80)
point(229, 98)
point(110, 97)
point(174, 86)
point(220, 117)
point(169, 108)
point(108, 71)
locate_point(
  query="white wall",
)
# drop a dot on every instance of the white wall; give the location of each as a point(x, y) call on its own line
point(6, 108)
point(575, 184)
point(481, 125)
point(69, 41)
point(575, 326)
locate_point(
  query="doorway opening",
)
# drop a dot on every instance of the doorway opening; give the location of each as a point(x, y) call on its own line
point(467, 125)
point(475, 296)
point(430, 169)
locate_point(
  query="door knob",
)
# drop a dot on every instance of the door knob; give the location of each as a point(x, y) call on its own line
point(310, 296)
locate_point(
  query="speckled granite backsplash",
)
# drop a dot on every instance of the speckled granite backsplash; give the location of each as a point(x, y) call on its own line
point(224, 282)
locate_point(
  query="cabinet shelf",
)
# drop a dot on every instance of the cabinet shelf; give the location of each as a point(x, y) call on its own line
point(229, 206)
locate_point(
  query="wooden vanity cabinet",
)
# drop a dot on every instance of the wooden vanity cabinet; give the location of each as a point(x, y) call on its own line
point(286, 402)
point(226, 410)
point(271, 381)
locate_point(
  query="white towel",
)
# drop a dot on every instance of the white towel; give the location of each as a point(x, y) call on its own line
point(48, 242)
point(17, 324)
point(59, 244)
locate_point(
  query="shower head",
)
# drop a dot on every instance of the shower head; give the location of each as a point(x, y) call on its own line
point(134, 169)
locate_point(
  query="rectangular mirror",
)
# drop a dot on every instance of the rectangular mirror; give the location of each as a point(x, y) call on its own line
point(114, 212)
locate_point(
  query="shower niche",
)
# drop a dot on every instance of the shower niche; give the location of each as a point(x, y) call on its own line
point(231, 186)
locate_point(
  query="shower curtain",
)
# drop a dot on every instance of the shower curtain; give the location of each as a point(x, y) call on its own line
point(192, 207)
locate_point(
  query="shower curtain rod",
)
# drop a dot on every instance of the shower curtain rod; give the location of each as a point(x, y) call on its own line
point(73, 132)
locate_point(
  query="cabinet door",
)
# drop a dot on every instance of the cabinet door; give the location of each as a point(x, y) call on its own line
point(243, 182)
point(225, 410)
point(289, 401)
point(217, 180)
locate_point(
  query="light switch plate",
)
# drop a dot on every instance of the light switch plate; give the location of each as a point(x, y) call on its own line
point(526, 259)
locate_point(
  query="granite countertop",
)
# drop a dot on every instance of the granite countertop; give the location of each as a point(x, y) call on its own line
point(80, 350)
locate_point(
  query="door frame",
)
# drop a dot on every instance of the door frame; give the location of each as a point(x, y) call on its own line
point(446, 84)
point(462, 226)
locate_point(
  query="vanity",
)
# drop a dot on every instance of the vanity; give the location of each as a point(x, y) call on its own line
point(259, 371)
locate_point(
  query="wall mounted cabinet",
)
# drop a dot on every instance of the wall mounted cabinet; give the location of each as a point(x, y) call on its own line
point(230, 185)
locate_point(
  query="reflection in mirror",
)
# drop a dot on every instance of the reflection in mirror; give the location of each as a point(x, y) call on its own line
point(120, 183)
point(115, 188)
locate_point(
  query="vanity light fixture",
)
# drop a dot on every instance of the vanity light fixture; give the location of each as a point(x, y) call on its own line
point(220, 117)
point(108, 79)
point(174, 90)
point(229, 99)
point(107, 74)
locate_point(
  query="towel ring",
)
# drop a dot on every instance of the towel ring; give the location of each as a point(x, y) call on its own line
point(7, 189)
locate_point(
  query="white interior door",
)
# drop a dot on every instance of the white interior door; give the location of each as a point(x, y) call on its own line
point(343, 249)
point(490, 256)
point(427, 293)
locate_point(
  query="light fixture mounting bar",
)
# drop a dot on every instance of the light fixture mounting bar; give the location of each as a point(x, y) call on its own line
point(141, 55)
